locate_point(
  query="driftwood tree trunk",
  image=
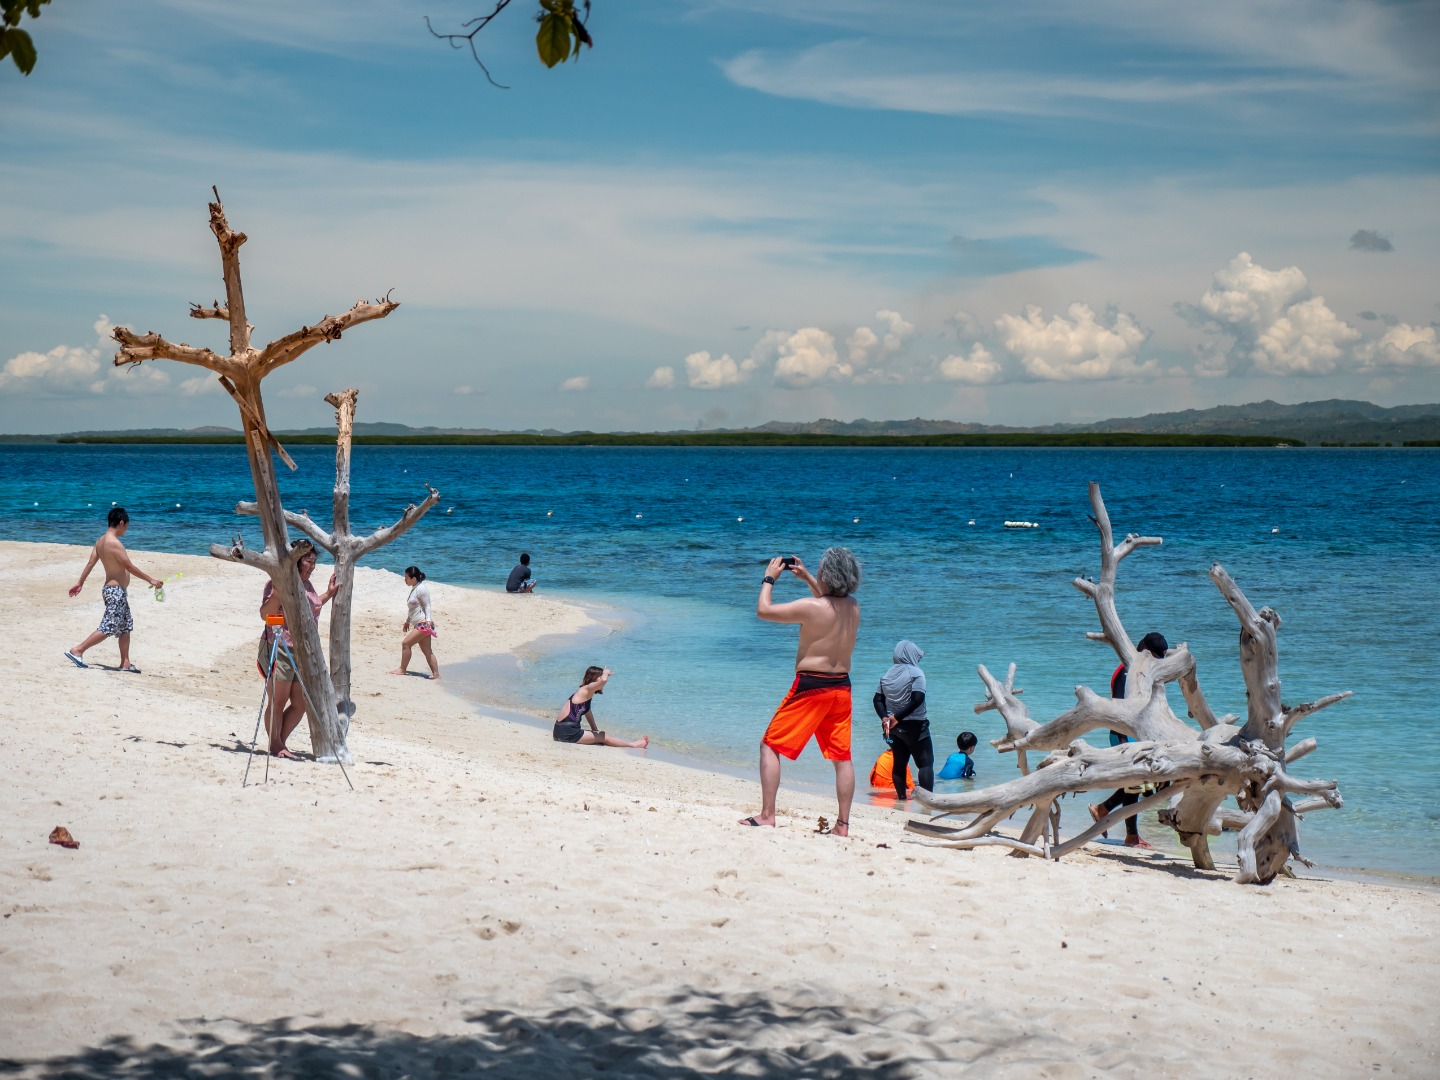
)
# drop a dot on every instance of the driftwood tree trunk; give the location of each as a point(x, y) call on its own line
point(345, 547)
point(240, 374)
point(1203, 765)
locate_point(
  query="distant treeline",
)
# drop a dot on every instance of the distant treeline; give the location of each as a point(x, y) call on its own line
point(721, 438)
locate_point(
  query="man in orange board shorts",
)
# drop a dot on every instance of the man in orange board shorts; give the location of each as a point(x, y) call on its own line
point(818, 704)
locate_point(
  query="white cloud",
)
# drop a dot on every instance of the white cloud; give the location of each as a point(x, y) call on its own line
point(577, 382)
point(704, 372)
point(1080, 347)
point(1402, 346)
point(861, 343)
point(301, 391)
point(68, 370)
point(62, 369)
point(807, 357)
point(465, 391)
point(977, 368)
point(865, 345)
point(872, 354)
point(1277, 327)
point(662, 378)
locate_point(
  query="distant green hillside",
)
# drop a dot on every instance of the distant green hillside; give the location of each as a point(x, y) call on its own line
point(726, 438)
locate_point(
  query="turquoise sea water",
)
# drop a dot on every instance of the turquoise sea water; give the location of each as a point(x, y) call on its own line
point(652, 536)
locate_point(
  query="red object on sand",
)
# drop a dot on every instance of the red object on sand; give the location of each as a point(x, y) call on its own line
point(61, 835)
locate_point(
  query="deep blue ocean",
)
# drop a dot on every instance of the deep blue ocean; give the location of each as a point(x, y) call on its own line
point(1345, 544)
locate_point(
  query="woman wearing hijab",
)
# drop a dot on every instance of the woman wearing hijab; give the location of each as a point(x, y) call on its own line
point(900, 702)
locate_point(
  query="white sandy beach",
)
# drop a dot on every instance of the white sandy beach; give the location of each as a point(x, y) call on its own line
point(489, 898)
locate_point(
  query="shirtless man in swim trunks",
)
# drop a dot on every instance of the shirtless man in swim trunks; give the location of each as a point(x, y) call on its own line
point(819, 700)
point(117, 623)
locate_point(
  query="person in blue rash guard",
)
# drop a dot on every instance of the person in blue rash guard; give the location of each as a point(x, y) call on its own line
point(960, 765)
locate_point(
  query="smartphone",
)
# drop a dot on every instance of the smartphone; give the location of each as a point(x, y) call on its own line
point(787, 560)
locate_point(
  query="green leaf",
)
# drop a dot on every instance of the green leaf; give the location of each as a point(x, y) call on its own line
point(22, 49)
point(553, 40)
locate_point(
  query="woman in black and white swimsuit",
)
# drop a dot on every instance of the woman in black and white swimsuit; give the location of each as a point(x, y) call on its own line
point(568, 726)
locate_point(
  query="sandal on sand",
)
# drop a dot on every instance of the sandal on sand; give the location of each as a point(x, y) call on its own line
point(75, 660)
point(130, 669)
point(751, 822)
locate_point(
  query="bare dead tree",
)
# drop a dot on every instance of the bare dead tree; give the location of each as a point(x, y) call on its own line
point(1203, 766)
point(240, 374)
point(343, 545)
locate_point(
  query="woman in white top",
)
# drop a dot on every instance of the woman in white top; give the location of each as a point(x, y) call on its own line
point(419, 624)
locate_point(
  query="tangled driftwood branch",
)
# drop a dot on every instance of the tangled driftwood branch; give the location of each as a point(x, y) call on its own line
point(1200, 768)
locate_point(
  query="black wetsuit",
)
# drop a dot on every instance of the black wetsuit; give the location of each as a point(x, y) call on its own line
point(1121, 797)
point(909, 738)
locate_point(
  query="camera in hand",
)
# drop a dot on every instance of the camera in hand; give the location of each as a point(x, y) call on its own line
point(787, 560)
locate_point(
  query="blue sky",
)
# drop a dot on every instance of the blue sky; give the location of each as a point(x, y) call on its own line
point(731, 211)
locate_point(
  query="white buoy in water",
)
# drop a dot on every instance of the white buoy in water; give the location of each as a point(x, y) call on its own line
point(739, 519)
point(854, 521)
point(1276, 529)
point(971, 521)
point(639, 515)
point(450, 510)
point(177, 506)
point(549, 513)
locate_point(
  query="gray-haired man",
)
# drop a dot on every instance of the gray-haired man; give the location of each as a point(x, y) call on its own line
point(819, 700)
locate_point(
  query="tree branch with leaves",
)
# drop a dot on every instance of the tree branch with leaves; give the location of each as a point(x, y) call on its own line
point(561, 33)
point(14, 42)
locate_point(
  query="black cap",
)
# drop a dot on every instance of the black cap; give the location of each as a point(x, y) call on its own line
point(1155, 644)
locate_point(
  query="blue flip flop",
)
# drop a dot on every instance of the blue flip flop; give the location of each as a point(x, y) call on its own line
point(75, 659)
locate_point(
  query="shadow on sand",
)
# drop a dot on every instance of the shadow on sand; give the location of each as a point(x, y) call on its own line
point(686, 1034)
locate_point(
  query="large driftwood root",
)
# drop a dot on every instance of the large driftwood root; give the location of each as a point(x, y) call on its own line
point(1190, 770)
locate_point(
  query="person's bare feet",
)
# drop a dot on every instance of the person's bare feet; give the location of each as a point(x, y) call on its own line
point(284, 753)
point(399, 671)
point(757, 820)
point(643, 742)
point(840, 828)
point(1137, 841)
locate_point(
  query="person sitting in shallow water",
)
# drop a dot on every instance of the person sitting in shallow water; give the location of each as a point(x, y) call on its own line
point(568, 727)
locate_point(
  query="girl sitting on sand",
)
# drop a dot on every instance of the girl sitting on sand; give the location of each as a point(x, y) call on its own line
point(419, 625)
point(567, 723)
